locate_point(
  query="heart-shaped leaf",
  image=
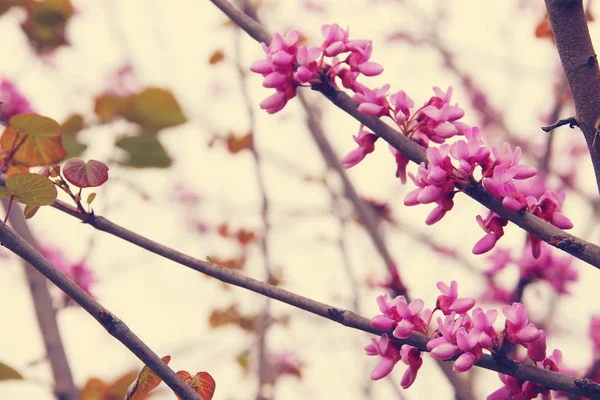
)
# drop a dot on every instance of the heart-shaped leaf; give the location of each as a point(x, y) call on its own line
point(85, 174)
point(145, 382)
point(35, 125)
point(30, 189)
point(201, 383)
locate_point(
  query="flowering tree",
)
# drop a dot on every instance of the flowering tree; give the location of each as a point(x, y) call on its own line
point(441, 156)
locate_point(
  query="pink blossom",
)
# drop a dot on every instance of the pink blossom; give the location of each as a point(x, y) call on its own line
point(512, 386)
point(389, 353)
point(366, 144)
point(556, 270)
point(518, 327)
point(411, 356)
point(402, 105)
point(594, 333)
point(358, 60)
point(499, 259)
point(400, 315)
point(448, 302)
point(373, 102)
point(439, 118)
point(391, 282)
point(493, 225)
point(12, 101)
point(335, 40)
point(401, 163)
point(80, 272)
point(435, 183)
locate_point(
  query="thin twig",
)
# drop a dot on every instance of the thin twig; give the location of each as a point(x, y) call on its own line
point(571, 121)
point(109, 321)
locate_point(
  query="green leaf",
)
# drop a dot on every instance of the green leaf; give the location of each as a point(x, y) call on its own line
point(7, 373)
point(158, 107)
point(70, 130)
point(30, 211)
point(144, 151)
point(31, 189)
point(35, 125)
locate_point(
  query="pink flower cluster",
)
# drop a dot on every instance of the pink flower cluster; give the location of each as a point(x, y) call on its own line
point(12, 101)
point(289, 65)
point(80, 272)
point(450, 166)
point(548, 266)
point(460, 335)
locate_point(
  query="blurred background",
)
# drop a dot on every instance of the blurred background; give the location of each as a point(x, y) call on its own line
point(198, 186)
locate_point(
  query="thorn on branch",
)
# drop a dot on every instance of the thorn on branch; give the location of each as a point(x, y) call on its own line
point(571, 121)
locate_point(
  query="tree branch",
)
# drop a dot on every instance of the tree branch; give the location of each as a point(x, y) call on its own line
point(526, 372)
point(547, 232)
point(579, 61)
point(110, 322)
point(45, 313)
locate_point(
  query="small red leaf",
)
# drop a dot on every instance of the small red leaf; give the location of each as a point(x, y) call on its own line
point(201, 383)
point(81, 174)
point(146, 381)
point(204, 385)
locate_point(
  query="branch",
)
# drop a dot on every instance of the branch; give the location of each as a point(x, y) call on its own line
point(547, 232)
point(571, 121)
point(46, 315)
point(366, 215)
point(549, 379)
point(110, 322)
point(579, 61)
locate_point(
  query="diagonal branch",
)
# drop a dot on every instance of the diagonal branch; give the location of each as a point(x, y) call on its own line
point(547, 232)
point(579, 61)
point(110, 322)
point(549, 379)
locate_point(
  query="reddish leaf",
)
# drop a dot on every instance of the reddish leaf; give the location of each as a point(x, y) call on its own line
point(35, 150)
point(224, 317)
point(216, 57)
point(223, 230)
point(85, 174)
point(202, 383)
point(543, 29)
point(235, 144)
point(245, 237)
point(145, 382)
point(94, 389)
